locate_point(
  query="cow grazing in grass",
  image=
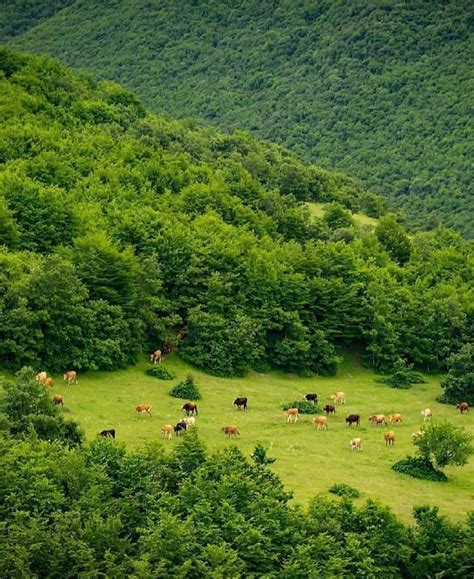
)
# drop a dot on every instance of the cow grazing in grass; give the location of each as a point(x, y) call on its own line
point(190, 408)
point(155, 358)
point(329, 409)
point(48, 382)
point(312, 397)
point(71, 377)
point(416, 435)
point(180, 427)
point(463, 407)
point(190, 420)
point(110, 433)
point(389, 438)
point(291, 415)
point(240, 403)
point(41, 377)
point(229, 431)
point(377, 419)
point(143, 409)
point(58, 399)
point(321, 422)
point(338, 398)
point(394, 418)
point(426, 414)
point(353, 419)
point(356, 444)
point(167, 431)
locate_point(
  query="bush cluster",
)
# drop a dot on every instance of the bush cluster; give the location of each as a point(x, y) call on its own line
point(419, 467)
point(344, 490)
point(186, 389)
point(160, 373)
point(304, 407)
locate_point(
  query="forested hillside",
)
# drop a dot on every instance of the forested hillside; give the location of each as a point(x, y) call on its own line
point(380, 90)
point(120, 229)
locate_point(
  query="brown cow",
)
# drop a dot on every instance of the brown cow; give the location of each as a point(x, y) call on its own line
point(71, 377)
point(190, 408)
point(48, 382)
point(41, 377)
point(291, 414)
point(356, 444)
point(58, 399)
point(329, 409)
point(389, 438)
point(463, 407)
point(229, 431)
point(394, 418)
point(143, 409)
point(155, 358)
point(167, 431)
point(338, 398)
point(377, 419)
point(321, 422)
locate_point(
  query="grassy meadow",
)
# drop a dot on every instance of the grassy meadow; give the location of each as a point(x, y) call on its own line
point(308, 462)
point(318, 210)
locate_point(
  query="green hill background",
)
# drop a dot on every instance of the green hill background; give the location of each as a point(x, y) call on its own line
point(377, 89)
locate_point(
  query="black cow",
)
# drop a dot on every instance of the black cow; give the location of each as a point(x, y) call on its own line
point(108, 433)
point(329, 409)
point(190, 408)
point(353, 419)
point(311, 398)
point(180, 427)
point(240, 402)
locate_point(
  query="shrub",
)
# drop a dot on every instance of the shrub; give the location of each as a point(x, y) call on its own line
point(343, 490)
point(186, 389)
point(419, 467)
point(458, 385)
point(303, 406)
point(402, 377)
point(160, 373)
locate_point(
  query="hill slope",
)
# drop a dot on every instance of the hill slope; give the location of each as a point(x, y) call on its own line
point(380, 90)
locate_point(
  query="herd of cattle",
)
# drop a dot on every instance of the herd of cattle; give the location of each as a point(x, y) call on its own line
point(241, 403)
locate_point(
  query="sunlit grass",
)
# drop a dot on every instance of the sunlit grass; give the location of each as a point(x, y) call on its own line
point(318, 210)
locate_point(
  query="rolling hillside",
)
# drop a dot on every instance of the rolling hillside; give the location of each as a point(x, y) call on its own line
point(379, 90)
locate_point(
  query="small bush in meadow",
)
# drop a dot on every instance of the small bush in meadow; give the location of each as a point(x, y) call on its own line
point(303, 406)
point(343, 490)
point(419, 467)
point(160, 373)
point(186, 389)
point(403, 376)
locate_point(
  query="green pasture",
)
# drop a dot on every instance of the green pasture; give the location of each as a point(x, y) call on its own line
point(308, 462)
point(318, 210)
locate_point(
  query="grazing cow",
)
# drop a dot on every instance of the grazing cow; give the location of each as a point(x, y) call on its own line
point(329, 409)
point(394, 418)
point(338, 398)
point(180, 427)
point(41, 377)
point(108, 433)
point(377, 419)
point(143, 409)
point(320, 422)
point(167, 431)
point(229, 431)
point(58, 399)
point(356, 444)
point(190, 420)
point(71, 377)
point(463, 407)
point(416, 435)
point(155, 358)
point(427, 414)
point(311, 398)
point(190, 408)
point(353, 419)
point(240, 403)
point(389, 438)
point(291, 414)
point(48, 382)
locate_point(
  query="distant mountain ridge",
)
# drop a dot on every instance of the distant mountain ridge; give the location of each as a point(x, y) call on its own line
point(377, 89)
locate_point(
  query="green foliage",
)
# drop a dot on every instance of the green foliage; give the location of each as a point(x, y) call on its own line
point(260, 457)
point(344, 490)
point(394, 239)
point(383, 93)
point(403, 376)
point(458, 385)
point(186, 389)
point(160, 373)
point(304, 407)
point(419, 467)
point(445, 444)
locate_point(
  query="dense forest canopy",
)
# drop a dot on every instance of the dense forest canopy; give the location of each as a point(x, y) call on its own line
point(120, 229)
point(378, 89)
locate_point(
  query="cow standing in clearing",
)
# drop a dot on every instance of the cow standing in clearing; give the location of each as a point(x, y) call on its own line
point(311, 397)
point(190, 408)
point(180, 427)
point(155, 358)
point(338, 398)
point(143, 409)
point(232, 430)
point(110, 433)
point(329, 409)
point(427, 414)
point(167, 431)
point(356, 444)
point(291, 415)
point(353, 419)
point(394, 418)
point(71, 377)
point(58, 399)
point(377, 419)
point(240, 403)
point(321, 422)
point(463, 407)
point(389, 438)
point(41, 377)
